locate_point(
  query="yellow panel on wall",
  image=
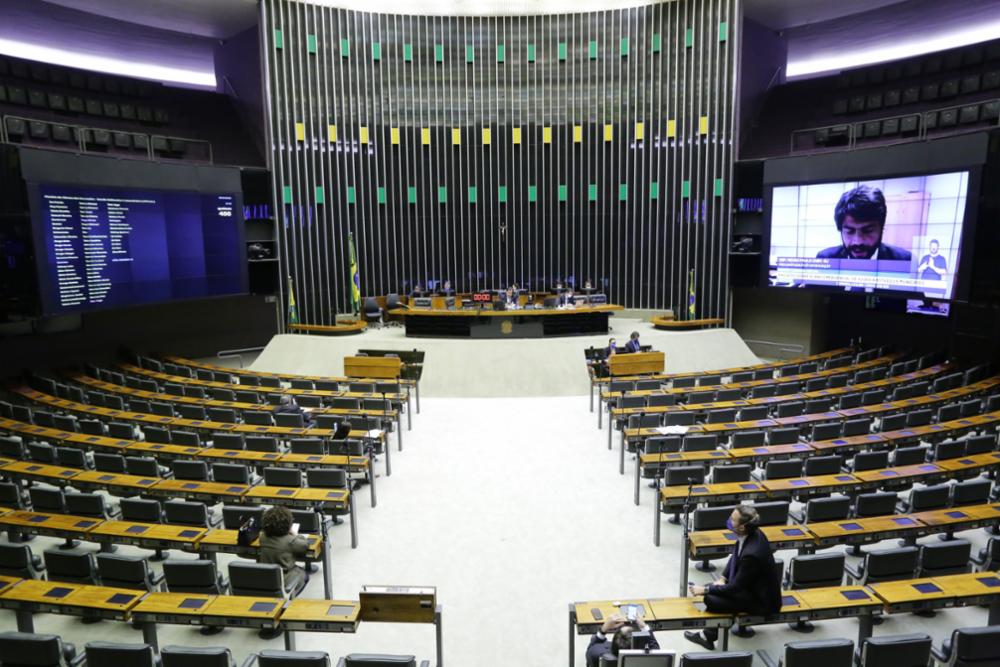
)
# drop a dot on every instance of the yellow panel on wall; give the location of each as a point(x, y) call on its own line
point(363, 134)
point(671, 128)
point(516, 135)
point(546, 135)
point(609, 131)
point(394, 135)
point(577, 133)
point(425, 136)
point(640, 131)
point(331, 133)
point(456, 136)
point(703, 125)
point(300, 131)
point(487, 136)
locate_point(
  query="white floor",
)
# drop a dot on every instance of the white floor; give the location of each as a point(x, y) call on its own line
point(513, 508)
point(465, 368)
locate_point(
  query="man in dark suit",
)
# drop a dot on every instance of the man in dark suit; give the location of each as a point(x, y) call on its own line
point(600, 645)
point(749, 583)
point(566, 298)
point(289, 406)
point(633, 344)
point(860, 217)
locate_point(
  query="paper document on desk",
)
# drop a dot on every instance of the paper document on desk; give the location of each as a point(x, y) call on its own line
point(671, 430)
point(374, 433)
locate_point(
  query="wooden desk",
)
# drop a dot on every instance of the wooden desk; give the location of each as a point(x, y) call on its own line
point(801, 487)
point(114, 483)
point(709, 544)
point(912, 595)
point(39, 472)
point(669, 324)
point(522, 323)
point(975, 588)
point(239, 372)
point(32, 596)
point(205, 491)
point(636, 363)
point(173, 608)
point(866, 530)
point(101, 602)
point(235, 611)
point(148, 535)
point(381, 368)
point(222, 540)
point(901, 475)
point(341, 329)
point(583, 620)
point(321, 615)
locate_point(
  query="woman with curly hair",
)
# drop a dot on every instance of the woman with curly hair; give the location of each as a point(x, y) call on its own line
point(278, 544)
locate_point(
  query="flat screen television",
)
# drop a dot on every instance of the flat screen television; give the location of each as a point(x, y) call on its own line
point(899, 236)
point(106, 247)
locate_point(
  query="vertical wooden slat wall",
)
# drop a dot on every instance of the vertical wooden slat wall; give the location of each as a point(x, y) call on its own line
point(502, 149)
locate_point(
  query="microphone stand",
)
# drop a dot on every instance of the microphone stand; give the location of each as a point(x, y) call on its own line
point(685, 540)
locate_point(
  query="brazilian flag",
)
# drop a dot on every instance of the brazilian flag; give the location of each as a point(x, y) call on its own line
point(293, 310)
point(355, 276)
point(691, 294)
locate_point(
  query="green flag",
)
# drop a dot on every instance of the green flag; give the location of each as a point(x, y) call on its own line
point(293, 310)
point(355, 276)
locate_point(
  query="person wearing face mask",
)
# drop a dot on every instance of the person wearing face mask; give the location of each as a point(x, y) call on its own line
point(749, 582)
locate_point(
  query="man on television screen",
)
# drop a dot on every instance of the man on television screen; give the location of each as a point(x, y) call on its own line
point(860, 218)
point(933, 266)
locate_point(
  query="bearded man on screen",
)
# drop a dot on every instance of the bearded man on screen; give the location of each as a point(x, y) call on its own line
point(860, 217)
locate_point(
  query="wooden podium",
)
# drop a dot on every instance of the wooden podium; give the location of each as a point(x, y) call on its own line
point(636, 363)
point(373, 367)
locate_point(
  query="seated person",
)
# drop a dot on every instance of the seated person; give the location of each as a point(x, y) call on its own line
point(588, 288)
point(633, 344)
point(600, 646)
point(444, 289)
point(418, 291)
point(566, 298)
point(280, 545)
point(611, 350)
point(289, 406)
point(749, 583)
point(558, 289)
point(509, 298)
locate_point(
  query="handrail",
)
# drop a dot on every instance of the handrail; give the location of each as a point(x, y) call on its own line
point(237, 353)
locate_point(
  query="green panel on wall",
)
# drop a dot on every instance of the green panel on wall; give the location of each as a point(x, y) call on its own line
point(719, 183)
point(311, 43)
point(689, 37)
point(531, 53)
point(562, 50)
point(380, 194)
point(656, 43)
point(501, 53)
point(442, 194)
point(623, 192)
point(723, 31)
point(279, 39)
point(470, 54)
point(345, 48)
point(502, 194)
point(623, 46)
point(592, 192)
point(439, 53)
point(532, 194)
point(320, 195)
point(411, 194)
point(407, 52)
point(592, 49)
point(685, 188)
point(473, 194)
point(286, 194)
point(563, 192)
point(352, 195)
point(654, 190)
point(376, 50)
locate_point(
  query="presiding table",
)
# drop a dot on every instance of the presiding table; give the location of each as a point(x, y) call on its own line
point(523, 323)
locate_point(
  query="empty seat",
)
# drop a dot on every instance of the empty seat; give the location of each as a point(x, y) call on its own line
point(970, 647)
point(17, 560)
point(74, 568)
point(826, 509)
point(194, 576)
point(988, 558)
point(72, 458)
point(145, 466)
point(763, 391)
point(753, 413)
point(110, 654)
point(190, 470)
point(227, 441)
point(661, 444)
point(24, 649)
point(206, 656)
point(232, 473)
point(848, 401)
point(141, 510)
point(869, 461)
point(326, 478)
point(699, 443)
point(196, 412)
point(87, 504)
point(731, 473)
point(885, 565)
point(156, 434)
point(783, 469)
point(906, 456)
point(919, 418)
point(717, 659)
point(790, 409)
point(257, 418)
point(952, 449)
point(748, 439)
point(773, 513)
point(879, 503)
point(971, 492)
point(729, 394)
point(893, 422)
point(185, 438)
point(815, 571)
point(126, 572)
point(980, 444)
point(941, 558)
point(289, 419)
point(224, 415)
point(823, 465)
point(783, 436)
point(819, 653)
point(261, 443)
point(275, 476)
point(913, 650)
point(271, 658)
point(307, 446)
point(189, 513)
point(827, 431)
point(263, 580)
point(721, 416)
point(680, 419)
point(927, 498)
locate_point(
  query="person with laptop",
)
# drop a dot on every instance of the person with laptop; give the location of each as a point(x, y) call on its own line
point(622, 629)
point(749, 583)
